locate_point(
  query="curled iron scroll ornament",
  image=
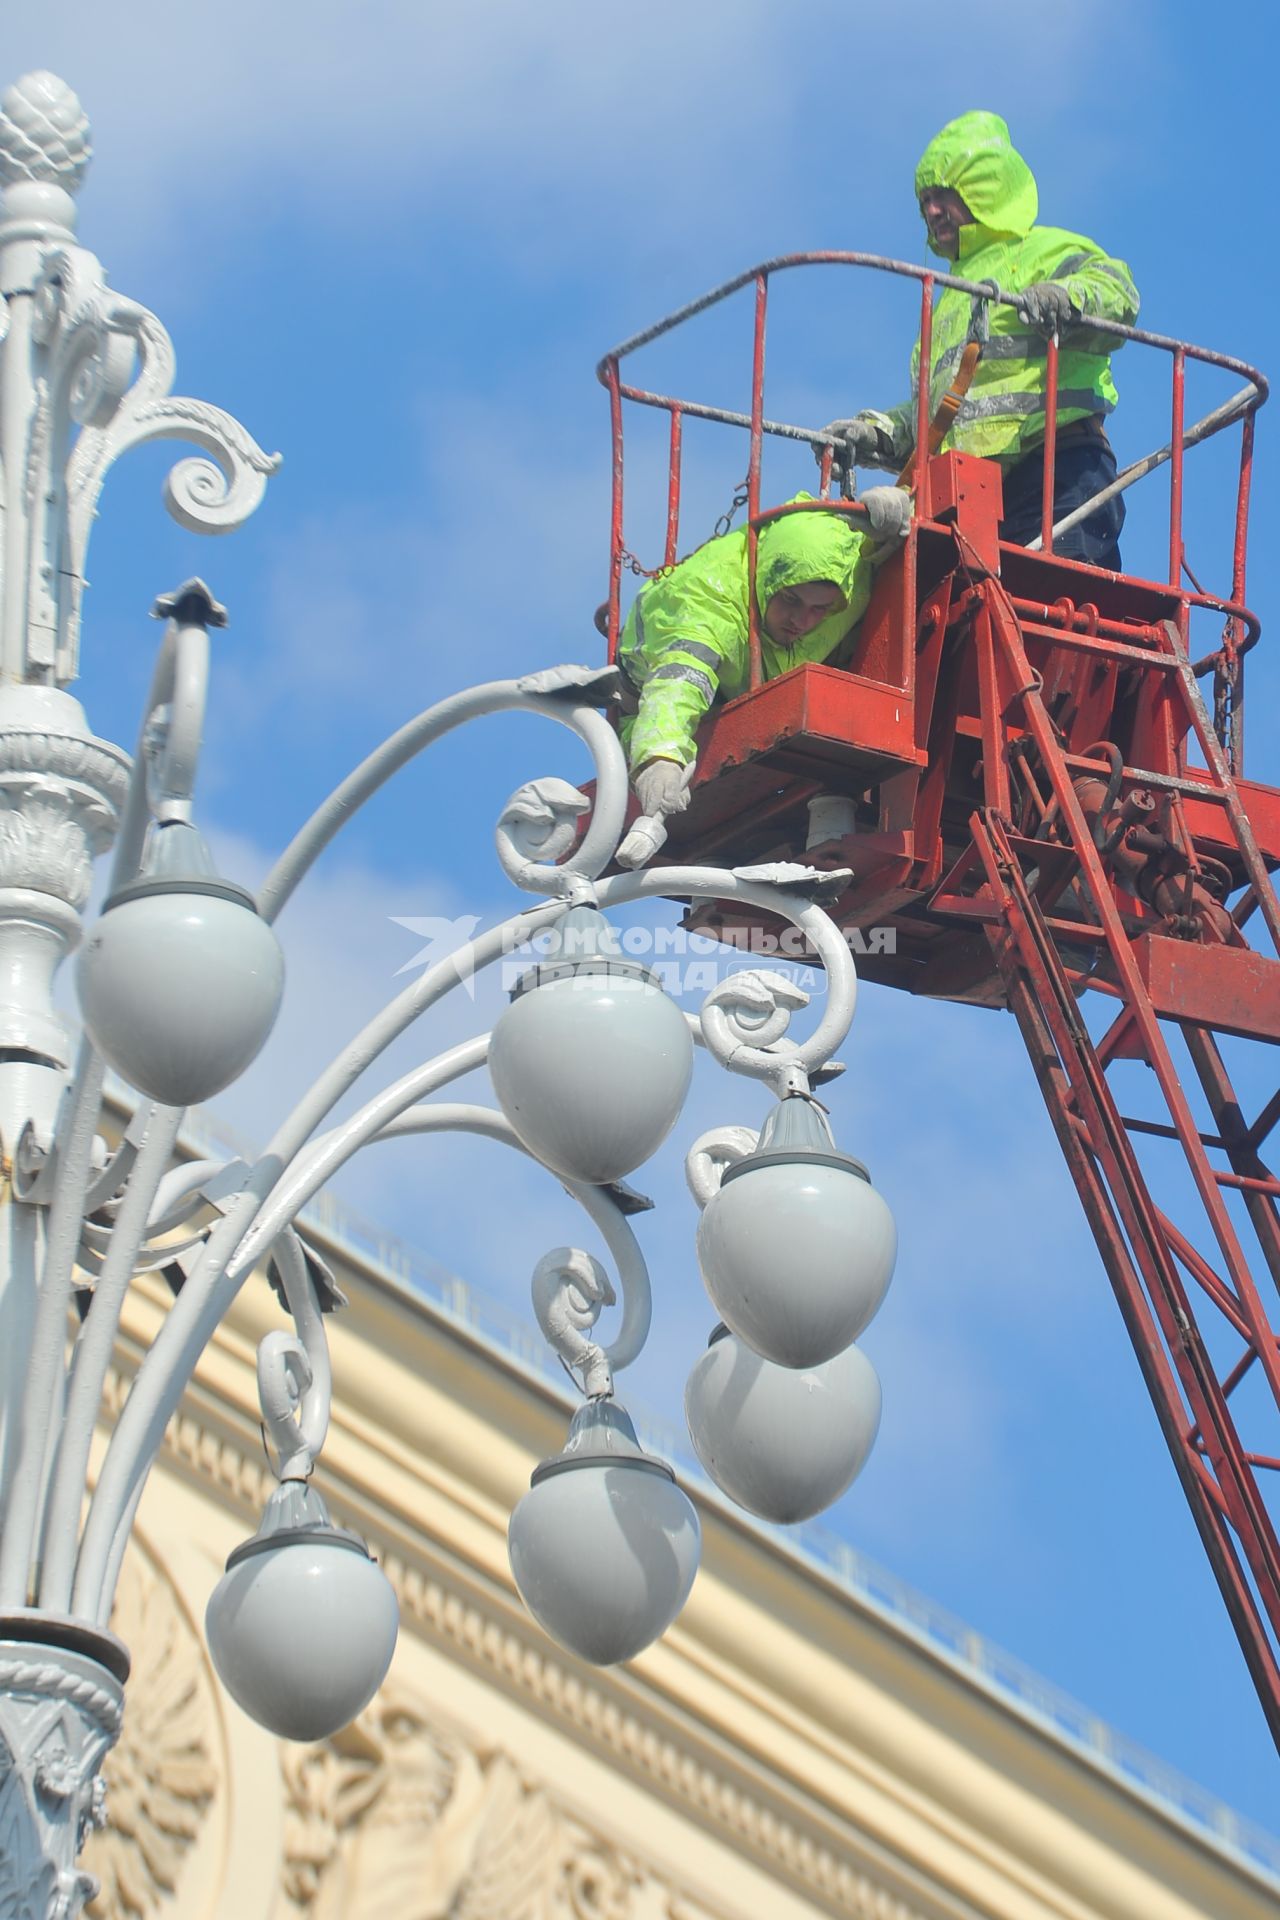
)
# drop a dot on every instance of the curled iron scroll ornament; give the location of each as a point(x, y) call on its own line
point(712, 1154)
point(536, 828)
point(203, 498)
point(109, 367)
point(745, 1018)
point(569, 1289)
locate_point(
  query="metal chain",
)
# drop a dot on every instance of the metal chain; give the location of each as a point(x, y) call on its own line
point(725, 522)
point(627, 560)
point(1226, 682)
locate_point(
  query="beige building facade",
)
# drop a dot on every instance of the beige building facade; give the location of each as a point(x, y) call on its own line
point(800, 1744)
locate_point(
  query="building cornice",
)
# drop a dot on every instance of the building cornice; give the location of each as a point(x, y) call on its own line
point(734, 1718)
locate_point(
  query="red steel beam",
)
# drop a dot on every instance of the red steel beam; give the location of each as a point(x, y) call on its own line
point(753, 477)
point(924, 411)
point(1175, 465)
point(1050, 441)
point(673, 489)
point(1224, 1502)
point(615, 509)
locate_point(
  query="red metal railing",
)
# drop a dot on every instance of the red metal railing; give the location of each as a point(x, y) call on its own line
point(1242, 627)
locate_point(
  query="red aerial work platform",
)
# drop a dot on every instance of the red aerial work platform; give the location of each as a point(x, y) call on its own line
point(1045, 812)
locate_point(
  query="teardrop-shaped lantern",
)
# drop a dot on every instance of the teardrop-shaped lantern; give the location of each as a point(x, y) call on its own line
point(303, 1623)
point(179, 978)
point(591, 1061)
point(797, 1247)
point(783, 1442)
point(604, 1546)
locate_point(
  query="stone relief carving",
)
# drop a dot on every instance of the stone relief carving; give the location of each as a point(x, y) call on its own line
point(398, 1816)
point(402, 1815)
point(162, 1776)
point(596, 1881)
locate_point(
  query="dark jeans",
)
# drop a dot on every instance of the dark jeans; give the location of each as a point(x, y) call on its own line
point(1082, 468)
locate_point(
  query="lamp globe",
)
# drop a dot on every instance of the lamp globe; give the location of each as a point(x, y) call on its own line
point(782, 1442)
point(591, 1061)
point(797, 1247)
point(179, 979)
point(604, 1546)
point(303, 1623)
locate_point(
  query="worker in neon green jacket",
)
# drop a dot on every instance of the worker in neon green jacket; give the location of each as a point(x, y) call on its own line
point(686, 637)
point(979, 201)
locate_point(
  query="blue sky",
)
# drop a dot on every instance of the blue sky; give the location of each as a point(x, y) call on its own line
point(394, 241)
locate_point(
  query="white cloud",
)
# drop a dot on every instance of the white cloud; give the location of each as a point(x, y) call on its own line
point(673, 116)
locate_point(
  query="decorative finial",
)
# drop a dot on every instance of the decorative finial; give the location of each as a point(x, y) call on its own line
point(44, 133)
point(191, 604)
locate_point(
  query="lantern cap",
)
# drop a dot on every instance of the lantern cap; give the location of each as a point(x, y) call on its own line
point(295, 1515)
point(583, 942)
point(601, 1433)
point(178, 861)
point(796, 1131)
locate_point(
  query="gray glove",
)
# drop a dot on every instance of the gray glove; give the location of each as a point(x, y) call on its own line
point(662, 787)
point(888, 511)
point(1047, 306)
point(858, 439)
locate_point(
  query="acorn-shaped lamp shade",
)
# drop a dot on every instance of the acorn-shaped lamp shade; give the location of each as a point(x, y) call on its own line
point(303, 1623)
point(179, 978)
point(783, 1442)
point(604, 1546)
point(591, 1061)
point(797, 1247)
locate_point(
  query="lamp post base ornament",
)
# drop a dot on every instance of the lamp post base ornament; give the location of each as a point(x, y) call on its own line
point(60, 1712)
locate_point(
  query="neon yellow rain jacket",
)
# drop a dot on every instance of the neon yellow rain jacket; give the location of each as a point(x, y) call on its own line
point(1002, 416)
point(686, 636)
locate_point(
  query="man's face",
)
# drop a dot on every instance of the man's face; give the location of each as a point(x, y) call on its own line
point(795, 611)
point(944, 215)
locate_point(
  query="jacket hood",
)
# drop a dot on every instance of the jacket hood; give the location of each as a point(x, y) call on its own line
point(801, 547)
point(975, 156)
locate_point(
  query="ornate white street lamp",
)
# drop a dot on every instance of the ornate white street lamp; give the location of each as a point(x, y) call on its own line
point(180, 978)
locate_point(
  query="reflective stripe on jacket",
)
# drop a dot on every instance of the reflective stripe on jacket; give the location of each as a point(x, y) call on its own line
point(1002, 416)
point(686, 637)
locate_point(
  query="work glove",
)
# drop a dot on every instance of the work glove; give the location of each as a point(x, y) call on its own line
point(1047, 306)
point(661, 788)
point(860, 441)
point(888, 511)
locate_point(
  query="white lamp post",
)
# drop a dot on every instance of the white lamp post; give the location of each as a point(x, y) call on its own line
point(180, 978)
